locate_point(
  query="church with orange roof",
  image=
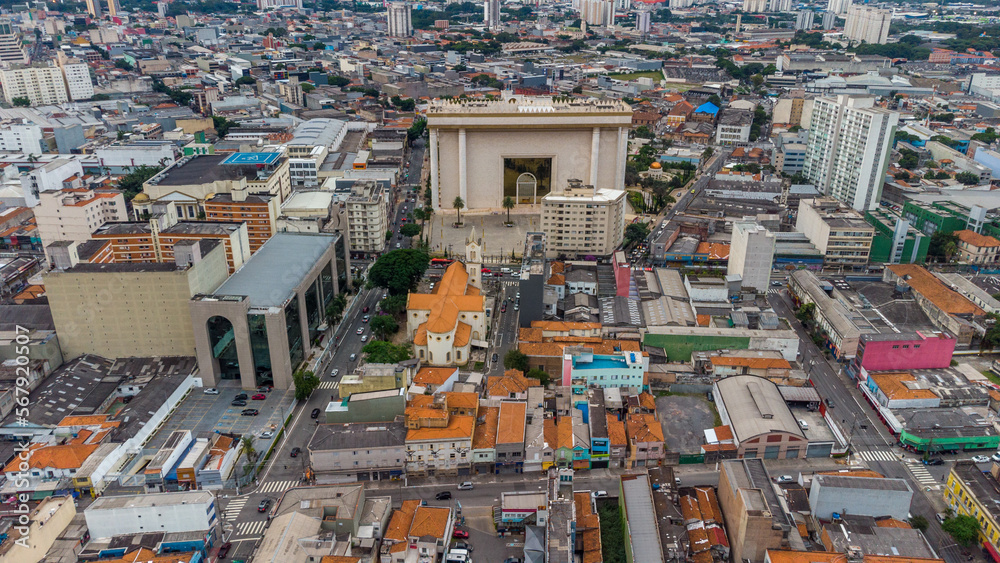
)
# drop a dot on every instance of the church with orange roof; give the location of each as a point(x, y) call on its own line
point(448, 322)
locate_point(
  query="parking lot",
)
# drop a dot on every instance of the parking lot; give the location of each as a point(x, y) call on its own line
point(205, 414)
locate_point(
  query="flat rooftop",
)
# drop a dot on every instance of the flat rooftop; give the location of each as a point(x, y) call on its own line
point(271, 275)
point(209, 168)
point(154, 499)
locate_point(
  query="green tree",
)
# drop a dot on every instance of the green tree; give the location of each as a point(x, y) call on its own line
point(305, 383)
point(20, 101)
point(335, 310)
point(306, 87)
point(908, 159)
point(338, 81)
point(715, 100)
point(245, 80)
point(399, 270)
point(123, 64)
point(319, 46)
point(382, 352)
point(131, 184)
point(458, 204)
point(393, 304)
point(248, 447)
point(384, 326)
point(410, 229)
point(515, 359)
point(100, 97)
point(918, 522)
point(805, 312)
point(222, 125)
point(542, 376)
point(417, 129)
point(963, 528)
point(636, 233)
point(942, 246)
point(643, 132)
point(967, 178)
point(508, 204)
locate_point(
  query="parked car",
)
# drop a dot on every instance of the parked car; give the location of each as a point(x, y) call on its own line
point(259, 397)
point(934, 461)
point(267, 434)
point(786, 479)
point(828, 402)
point(460, 534)
point(238, 403)
point(264, 505)
point(996, 457)
point(211, 391)
point(240, 397)
point(314, 413)
point(295, 452)
point(598, 494)
point(250, 412)
point(443, 495)
point(463, 545)
point(512, 560)
point(941, 517)
point(465, 486)
point(980, 459)
point(776, 283)
point(496, 357)
point(224, 550)
point(264, 389)
point(354, 357)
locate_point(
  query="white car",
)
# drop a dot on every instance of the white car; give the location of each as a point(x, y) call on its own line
point(267, 434)
point(980, 459)
point(364, 338)
point(996, 457)
point(335, 372)
point(211, 391)
point(361, 330)
point(598, 494)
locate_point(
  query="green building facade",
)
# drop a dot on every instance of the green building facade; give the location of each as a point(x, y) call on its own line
point(914, 246)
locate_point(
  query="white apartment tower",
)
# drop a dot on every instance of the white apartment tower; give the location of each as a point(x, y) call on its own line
point(40, 85)
point(11, 49)
point(867, 24)
point(113, 8)
point(598, 12)
point(838, 7)
point(848, 150)
point(79, 86)
point(491, 14)
point(804, 20)
point(779, 6)
point(583, 220)
point(399, 19)
point(751, 254)
point(754, 6)
point(367, 217)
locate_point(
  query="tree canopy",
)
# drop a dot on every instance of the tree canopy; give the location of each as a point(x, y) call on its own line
point(382, 352)
point(399, 270)
point(963, 528)
point(305, 383)
point(515, 359)
point(636, 233)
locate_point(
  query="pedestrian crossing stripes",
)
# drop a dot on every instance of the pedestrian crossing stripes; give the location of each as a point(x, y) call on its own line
point(773, 291)
point(329, 385)
point(275, 486)
point(249, 530)
point(511, 283)
point(233, 508)
point(922, 476)
point(878, 455)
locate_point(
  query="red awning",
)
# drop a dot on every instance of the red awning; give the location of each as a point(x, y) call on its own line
point(992, 551)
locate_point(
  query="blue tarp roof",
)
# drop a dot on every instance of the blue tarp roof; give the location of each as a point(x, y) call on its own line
point(707, 107)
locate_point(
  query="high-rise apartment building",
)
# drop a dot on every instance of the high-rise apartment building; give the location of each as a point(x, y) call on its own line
point(829, 20)
point(76, 73)
point(491, 14)
point(72, 214)
point(840, 233)
point(259, 211)
point(847, 153)
point(598, 12)
point(804, 20)
point(753, 6)
point(751, 254)
point(642, 19)
point(22, 138)
point(399, 19)
point(113, 8)
point(40, 85)
point(838, 7)
point(94, 8)
point(12, 51)
point(583, 220)
point(779, 5)
point(367, 216)
point(867, 24)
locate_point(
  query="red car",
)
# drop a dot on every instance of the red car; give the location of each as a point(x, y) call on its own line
point(224, 550)
point(487, 271)
point(461, 534)
point(259, 397)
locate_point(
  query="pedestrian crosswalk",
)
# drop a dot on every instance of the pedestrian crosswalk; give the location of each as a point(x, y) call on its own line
point(510, 283)
point(774, 291)
point(275, 486)
point(329, 385)
point(878, 455)
point(249, 530)
point(233, 508)
point(922, 476)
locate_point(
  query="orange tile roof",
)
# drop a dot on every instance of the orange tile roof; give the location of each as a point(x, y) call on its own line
point(551, 433)
point(85, 420)
point(450, 298)
point(456, 400)
point(704, 320)
point(430, 521)
point(69, 456)
point(934, 290)
point(510, 429)
point(714, 250)
point(144, 555)
point(399, 524)
point(892, 386)
point(557, 279)
point(528, 334)
point(459, 427)
point(557, 267)
point(647, 401)
point(564, 432)
point(563, 325)
point(709, 505)
point(643, 428)
point(723, 433)
point(512, 381)
point(689, 508)
point(485, 436)
point(417, 413)
point(463, 333)
point(557, 348)
point(433, 376)
point(588, 525)
point(753, 363)
point(973, 238)
point(892, 523)
point(616, 431)
point(339, 559)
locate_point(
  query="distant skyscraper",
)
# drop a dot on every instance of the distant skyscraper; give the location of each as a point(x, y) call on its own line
point(161, 9)
point(113, 8)
point(399, 18)
point(804, 20)
point(754, 6)
point(491, 14)
point(829, 20)
point(94, 8)
point(868, 24)
point(751, 254)
point(847, 154)
point(779, 6)
point(642, 21)
point(681, 4)
point(838, 7)
point(598, 12)
point(12, 51)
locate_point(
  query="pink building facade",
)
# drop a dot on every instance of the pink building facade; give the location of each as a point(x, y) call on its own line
point(905, 351)
point(623, 273)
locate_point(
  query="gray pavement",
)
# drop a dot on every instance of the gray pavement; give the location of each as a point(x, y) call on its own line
point(684, 419)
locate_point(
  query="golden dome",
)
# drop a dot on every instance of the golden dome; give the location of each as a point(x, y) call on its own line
point(140, 198)
point(655, 166)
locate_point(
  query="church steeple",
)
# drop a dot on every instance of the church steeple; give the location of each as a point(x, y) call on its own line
point(474, 259)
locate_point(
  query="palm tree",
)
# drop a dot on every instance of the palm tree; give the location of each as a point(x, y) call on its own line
point(429, 214)
point(248, 447)
point(458, 204)
point(508, 204)
point(419, 215)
